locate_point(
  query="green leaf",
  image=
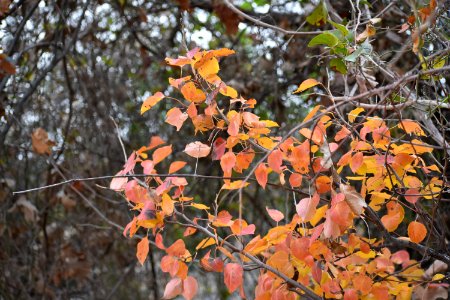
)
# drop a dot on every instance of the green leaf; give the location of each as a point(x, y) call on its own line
point(340, 27)
point(325, 38)
point(365, 48)
point(246, 5)
point(338, 64)
point(319, 15)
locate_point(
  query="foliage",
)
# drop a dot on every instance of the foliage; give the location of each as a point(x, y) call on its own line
point(335, 162)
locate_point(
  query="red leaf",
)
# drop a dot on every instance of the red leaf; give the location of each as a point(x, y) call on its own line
point(218, 148)
point(233, 276)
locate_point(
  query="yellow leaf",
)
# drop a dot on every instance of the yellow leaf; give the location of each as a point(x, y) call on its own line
point(205, 243)
point(266, 143)
point(438, 277)
point(199, 206)
point(151, 101)
point(354, 113)
point(235, 185)
point(318, 215)
point(308, 83)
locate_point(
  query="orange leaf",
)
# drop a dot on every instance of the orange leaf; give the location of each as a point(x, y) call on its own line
point(275, 160)
point(356, 161)
point(308, 83)
point(342, 134)
point(167, 204)
point(233, 276)
point(295, 180)
point(395, 215)
point(151, 101)
point(276, 215)
point(312, 113)
point(176, 117)
point(177, 249)
point(142, 250)
point(176, 165)
point(40, 141)
point(417, 232)
point(227, 162)
point(161, 153)
point(323, 184)
point(242, 228)
point(243, 160)
point(155, 141)
point(411, 127)
point(261, 173)
point(197, 149)
point(192, 93)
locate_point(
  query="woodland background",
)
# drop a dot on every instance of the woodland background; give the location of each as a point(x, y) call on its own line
point(74, 68)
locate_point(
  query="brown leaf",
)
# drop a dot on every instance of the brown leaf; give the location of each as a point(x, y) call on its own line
point(41, 143)
point(353, 199)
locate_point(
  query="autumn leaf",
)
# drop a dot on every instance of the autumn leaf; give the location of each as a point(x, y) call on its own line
point(40, 142)
point(353, 199)
point(307, 84)
point(167, 204)
point(161, 153)
point(197, 149)
point(306, 207)
point(190, 287)
point(411, 127)
point(151, 101)
point(295, 180)
point(176, 166)
point(192, 94)
point(354, 113)
point(276, 215)
point(417, 232)
point(227, 162)
point(275, 160)
point(173, 288)
point(233, 276)
point(261, 174)
point(242, 228)
point(142, 250)
point(176, 117)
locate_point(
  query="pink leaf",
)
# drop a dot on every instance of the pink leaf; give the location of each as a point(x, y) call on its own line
point(276, 215)
point(190, 287)
point(173, 288)
point(233, 276)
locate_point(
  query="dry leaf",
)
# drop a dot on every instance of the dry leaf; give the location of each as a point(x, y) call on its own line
point(41, 143)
